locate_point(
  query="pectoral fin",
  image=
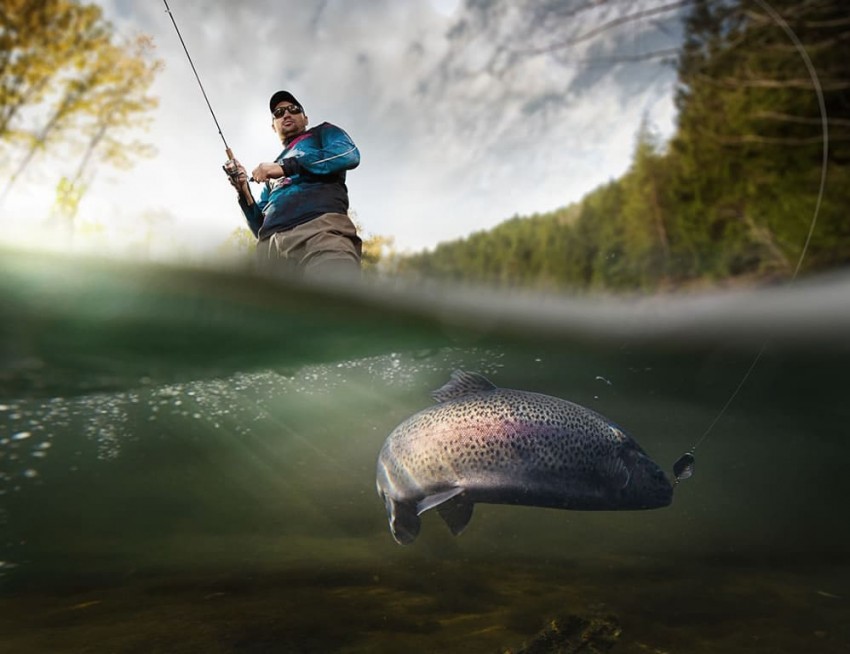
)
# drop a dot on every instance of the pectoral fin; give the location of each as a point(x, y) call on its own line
point(614, 470)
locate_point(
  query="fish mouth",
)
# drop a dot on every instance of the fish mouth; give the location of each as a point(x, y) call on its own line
point(655, 493)
point(648, 486)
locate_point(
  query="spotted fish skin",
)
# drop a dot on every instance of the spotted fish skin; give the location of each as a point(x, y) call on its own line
point(482, 443)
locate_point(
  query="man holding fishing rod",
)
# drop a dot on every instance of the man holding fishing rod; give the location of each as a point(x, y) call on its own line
point(301, 219)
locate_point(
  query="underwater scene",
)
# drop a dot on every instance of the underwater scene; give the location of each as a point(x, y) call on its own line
point(188, 464)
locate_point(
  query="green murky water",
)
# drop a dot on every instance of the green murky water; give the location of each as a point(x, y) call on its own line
point(187, 464)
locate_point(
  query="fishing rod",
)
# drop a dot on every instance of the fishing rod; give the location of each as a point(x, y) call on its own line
point(683, 468)
point(245, 193)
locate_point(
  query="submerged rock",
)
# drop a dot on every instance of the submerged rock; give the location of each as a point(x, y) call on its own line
point(588, 634)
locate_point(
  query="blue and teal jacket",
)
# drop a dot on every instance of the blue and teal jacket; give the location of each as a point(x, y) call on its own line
point(314, 165)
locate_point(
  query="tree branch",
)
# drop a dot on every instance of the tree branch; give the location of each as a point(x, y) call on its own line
point(611, 24)
point(799, 120)
point(627, 59)
point(745, 139)
point(797, 83)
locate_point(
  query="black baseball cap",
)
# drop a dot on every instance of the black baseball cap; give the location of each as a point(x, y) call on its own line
point(280, 96)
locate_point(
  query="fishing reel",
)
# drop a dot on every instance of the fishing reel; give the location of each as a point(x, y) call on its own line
point(231, 170)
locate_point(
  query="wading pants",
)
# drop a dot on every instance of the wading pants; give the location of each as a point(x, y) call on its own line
point(326, 245)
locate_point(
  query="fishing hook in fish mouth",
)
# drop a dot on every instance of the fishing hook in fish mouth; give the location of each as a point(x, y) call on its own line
point(684, 467)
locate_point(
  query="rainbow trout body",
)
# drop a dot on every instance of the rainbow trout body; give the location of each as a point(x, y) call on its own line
point(481, 443)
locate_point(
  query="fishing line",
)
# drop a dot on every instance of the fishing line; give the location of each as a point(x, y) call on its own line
point(684, 466)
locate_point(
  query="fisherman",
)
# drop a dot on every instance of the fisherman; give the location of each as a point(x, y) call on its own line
point(301, 219)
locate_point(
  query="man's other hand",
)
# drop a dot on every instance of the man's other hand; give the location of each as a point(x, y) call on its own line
point(266, 171)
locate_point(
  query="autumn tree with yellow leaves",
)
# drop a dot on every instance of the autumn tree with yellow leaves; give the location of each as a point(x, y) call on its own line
point(70, 85)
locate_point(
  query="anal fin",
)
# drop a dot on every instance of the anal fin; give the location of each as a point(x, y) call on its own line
point(435, 500)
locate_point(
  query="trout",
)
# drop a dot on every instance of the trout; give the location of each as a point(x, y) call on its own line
point(481, 443)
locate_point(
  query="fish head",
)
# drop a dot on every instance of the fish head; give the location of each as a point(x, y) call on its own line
point(647, 485)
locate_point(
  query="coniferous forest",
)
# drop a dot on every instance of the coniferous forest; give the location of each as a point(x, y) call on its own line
point(731, 196)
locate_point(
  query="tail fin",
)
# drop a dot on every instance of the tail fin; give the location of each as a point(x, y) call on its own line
point(404, 523)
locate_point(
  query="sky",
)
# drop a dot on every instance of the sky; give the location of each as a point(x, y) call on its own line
point(463, 114)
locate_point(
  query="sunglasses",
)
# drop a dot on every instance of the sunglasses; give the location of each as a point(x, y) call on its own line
point(293, 109)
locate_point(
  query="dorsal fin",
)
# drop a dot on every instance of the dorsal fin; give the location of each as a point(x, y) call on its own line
point(462, 383)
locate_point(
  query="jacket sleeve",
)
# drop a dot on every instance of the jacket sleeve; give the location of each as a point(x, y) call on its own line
point(254, 213)
point(333, 152)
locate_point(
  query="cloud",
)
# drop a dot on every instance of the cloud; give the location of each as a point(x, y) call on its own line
point(459, 125)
